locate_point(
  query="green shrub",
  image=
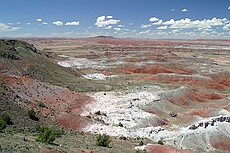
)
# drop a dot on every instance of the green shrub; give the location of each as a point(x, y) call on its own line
point(3, 124)
point(47, 135)
point(6, 118)
point(141, 143)
point(38, 128)
point(103, 140)
point(41, 104)
point(10, 130)
point(31, 113)
point(160, 142)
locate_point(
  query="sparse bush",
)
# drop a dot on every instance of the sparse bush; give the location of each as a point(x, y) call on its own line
point(47, 135)
point(103, 140)
point(6, 118)
point(123, 138)
point(3, 124)
point(40, 104)
point(120, 124)
point(141, 143)
point(38, 128)
point(160, 142)
point(31, 113)
point(10, 130)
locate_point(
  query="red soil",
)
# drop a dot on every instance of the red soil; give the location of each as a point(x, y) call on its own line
point(227, 107)
point(199, 112)
point(73, 122)
point(220, 142)
point(46, 150)
point(156, 59)
point(86, 151)
point(189, 80)
point(222, 78)
point(154, 69)
point(58, 101)
point(155, 148)
point(187, 96)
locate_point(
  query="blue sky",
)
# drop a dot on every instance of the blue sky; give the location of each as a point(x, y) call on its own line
point(173, 19)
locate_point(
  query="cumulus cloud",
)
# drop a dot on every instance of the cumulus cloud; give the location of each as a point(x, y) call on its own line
point(125, 29)
point(45, 23)
point(175, 31)
point(109, 27)
point(145, 26)
point(74, 23)
point(109, 17)
point(229, 7)
point(171, 21)
point(121, 26)
point(184, 10)
point(157, 23)
point(58, 23)
point(162, 28)
point(153, 19)
point(28, 23)
point(39, 20)
point(226, 27)
point(188, 23)
point(145, 32)
point(6, 28)
point(117, 29)
point(103, 22)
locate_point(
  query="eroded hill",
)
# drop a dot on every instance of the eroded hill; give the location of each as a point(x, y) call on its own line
point(176, 92)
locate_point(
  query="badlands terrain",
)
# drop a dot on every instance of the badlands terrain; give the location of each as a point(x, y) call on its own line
point(135, 90)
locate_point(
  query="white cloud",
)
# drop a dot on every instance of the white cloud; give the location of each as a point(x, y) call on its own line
point(117, 29)
point(162, 28)
point(145, 32)
point(28, 23)
point(101, 18)
point(103, 22)
point(157, 23)
point(145, 26)
point(72, 23)
point(10, 23)
point(173, 10)
point(121, 26)
point(188, 23)
point(229, 8)
point(175, 31)
point(171, 21)
point(184, 10)
point(45, 23)
point(39, 20)
point(125, 29)
point(58, 23)
point(109, 17)
point(226, 27)
point(153, 19)
point(6, 28)
point(109, 27)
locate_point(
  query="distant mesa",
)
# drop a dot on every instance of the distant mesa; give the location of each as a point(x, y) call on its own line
point(104, 37)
